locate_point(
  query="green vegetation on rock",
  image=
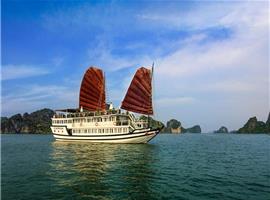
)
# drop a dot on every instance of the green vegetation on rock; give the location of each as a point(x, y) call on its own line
point(36, 122)
point(193, 129)
point(152, 123)
point(222, 129)
point(255, 126)
point(175, 124)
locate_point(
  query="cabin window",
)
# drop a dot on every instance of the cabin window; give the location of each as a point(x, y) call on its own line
point(119, 130)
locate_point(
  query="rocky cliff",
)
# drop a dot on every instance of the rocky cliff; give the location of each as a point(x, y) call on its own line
point(222, 129)
point(152, 123)
point(255, 126)
point(173, 125)
point(36, 122)
point(267, 123)
point(193, 129)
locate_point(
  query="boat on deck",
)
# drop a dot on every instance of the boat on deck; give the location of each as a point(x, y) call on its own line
point(98, 121)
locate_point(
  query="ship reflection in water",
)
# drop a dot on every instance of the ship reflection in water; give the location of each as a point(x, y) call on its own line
point(103, 171)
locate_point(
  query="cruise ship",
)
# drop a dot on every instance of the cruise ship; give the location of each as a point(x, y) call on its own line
point(97, 121)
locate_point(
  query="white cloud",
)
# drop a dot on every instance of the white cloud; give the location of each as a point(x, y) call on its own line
point(174, 101)
point(229, 77)
point(28, 98)
point(10, 72)
point(101, 56)
point(57, 61)
point(247, 50)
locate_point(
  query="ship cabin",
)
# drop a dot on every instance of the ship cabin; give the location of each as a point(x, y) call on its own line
point(113, 121)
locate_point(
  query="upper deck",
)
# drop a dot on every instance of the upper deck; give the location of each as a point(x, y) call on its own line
point(93, 119)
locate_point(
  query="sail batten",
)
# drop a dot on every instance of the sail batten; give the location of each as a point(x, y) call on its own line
point(139, 95)
point(92, 91)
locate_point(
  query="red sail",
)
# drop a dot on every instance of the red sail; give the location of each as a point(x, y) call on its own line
point(139, 95)
point(92, 92)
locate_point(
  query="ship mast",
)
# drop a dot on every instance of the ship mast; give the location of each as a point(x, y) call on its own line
point(152, 74)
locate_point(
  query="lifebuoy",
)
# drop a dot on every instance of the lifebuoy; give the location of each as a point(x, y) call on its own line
point(96, 124)
point(114, 123)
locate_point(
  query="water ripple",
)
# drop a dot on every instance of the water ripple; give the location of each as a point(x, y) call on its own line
point(171, 167)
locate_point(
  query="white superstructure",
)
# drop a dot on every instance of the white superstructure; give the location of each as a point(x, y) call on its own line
point(112, 126)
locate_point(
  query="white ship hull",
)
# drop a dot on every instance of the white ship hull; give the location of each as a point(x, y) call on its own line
point(143, 136)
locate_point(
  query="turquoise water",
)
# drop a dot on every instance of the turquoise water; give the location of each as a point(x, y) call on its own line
point(189, 166)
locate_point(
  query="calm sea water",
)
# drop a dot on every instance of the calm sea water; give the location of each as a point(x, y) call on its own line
point(189, 166)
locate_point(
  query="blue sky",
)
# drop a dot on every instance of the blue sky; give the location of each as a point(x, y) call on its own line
point(211, 57)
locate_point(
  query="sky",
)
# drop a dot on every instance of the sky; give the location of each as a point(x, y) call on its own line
point(211, 57)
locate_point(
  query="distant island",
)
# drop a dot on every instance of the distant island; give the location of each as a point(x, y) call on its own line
point(36, 122)
point(251, 126)
point(39, 122)
point(222, 129)
point(255, 126)
point(174, 126)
